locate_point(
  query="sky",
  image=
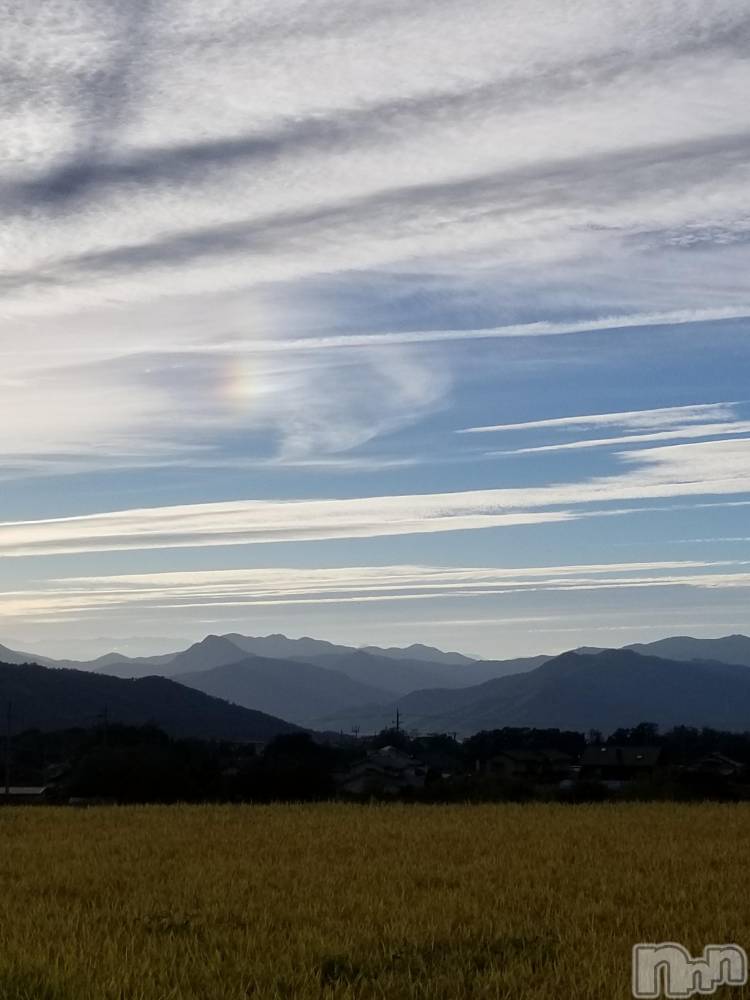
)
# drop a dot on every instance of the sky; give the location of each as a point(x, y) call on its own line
point(378, 321)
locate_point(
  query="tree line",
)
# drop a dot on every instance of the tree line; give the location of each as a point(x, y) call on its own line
point(143, 764)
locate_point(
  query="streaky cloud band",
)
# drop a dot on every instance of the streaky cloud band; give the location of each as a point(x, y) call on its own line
point(713, 468)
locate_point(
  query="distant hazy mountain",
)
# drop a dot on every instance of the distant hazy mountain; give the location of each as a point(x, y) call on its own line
point(402, 676)
point(16, 656)
point(89, 648)
point(578, 691)
point(43, 698)
point(387, 674)
point(485, 670)
point(298, 691)
point(419, 652)
point(327, 685)
point(729, 649)
point(131, 646)
point(213, 651)
point(117, 665)
point(279, 647)
point(394, 672)
point(302, 690)
point(398, 676)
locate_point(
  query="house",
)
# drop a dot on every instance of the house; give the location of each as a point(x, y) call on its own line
point(18, 795)
point(718, 765)
point(530, 765)
point(387, 771)
point(437, 762)
point(602, 762)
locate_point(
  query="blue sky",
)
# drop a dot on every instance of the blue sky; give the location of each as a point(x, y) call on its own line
point(380, 322)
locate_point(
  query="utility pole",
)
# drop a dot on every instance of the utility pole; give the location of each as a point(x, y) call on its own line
point(398, 721)
point(8, 720)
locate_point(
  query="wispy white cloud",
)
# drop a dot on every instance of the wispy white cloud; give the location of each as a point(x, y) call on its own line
point(150, 408)
point(358, 585)
point(542, 328)
point(696, 469)
point(661, 417)
point(671, 423)
point(253, 522)
point(174, 178)
point(198, 202)
point(708, 541)
point(681, 433)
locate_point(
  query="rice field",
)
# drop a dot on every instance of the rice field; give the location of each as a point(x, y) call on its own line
point(524, 902)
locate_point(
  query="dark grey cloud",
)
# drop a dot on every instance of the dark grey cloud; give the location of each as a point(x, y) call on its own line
point(91, 169)
point(589, 181)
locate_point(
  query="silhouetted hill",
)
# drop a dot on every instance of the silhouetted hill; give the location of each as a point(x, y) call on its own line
point(299, 691)
point(728, 649)
point(578, 691)
point(45, 698)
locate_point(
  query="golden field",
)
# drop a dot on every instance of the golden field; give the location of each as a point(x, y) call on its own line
point(525, 902)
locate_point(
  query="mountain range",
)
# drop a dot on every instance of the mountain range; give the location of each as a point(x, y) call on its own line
point(322, 685)
point(603, 690)
point(209, 651)
point(301, 679)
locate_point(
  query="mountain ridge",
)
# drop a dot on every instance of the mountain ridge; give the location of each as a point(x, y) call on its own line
point(604, 691)
point(349, 686)
point(60, 698)
point(299, 690)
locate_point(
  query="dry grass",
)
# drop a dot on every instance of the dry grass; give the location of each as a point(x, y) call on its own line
point(529, 902)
